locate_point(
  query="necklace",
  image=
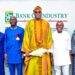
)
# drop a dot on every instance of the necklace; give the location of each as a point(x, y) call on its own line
point(40, 40)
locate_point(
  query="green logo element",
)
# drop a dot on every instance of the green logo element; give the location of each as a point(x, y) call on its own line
point(8, 14)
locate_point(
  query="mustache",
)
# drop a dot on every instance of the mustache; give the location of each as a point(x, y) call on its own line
point(13, 24)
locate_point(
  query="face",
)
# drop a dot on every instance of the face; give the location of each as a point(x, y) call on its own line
point(13, 21)
point(59, 26)
point(38, 14)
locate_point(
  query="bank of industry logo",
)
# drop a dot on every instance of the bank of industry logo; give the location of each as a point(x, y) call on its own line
point(8, 14)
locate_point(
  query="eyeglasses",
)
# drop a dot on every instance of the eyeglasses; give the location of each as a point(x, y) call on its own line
point(37, 11)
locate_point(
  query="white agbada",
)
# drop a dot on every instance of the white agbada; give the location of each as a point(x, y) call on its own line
point(61, 47)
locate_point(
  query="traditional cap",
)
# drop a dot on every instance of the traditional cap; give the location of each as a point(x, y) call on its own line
point(37, 8)
point(61, 22)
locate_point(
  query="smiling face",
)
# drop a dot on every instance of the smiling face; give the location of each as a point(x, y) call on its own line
point(59, 26)
point(13, 21)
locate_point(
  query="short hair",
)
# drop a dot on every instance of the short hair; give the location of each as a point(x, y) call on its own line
point(60, 22)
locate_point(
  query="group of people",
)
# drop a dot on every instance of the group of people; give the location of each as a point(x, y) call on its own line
point(52, 49)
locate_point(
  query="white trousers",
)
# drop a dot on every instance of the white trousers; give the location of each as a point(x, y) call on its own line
point(61, 70)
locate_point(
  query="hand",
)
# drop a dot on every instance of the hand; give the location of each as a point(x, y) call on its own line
point(5, 56)
point(70, 53)
point(52, 61)
point(70, 57)
point(22, 56)
point(27, 54)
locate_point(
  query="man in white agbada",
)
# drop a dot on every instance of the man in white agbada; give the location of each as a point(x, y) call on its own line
point(61, 49)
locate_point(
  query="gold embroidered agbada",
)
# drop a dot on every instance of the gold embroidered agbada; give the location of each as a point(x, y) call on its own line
point(37, 35)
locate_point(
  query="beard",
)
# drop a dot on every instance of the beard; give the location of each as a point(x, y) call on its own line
point(38, 17)
point(13, 24)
